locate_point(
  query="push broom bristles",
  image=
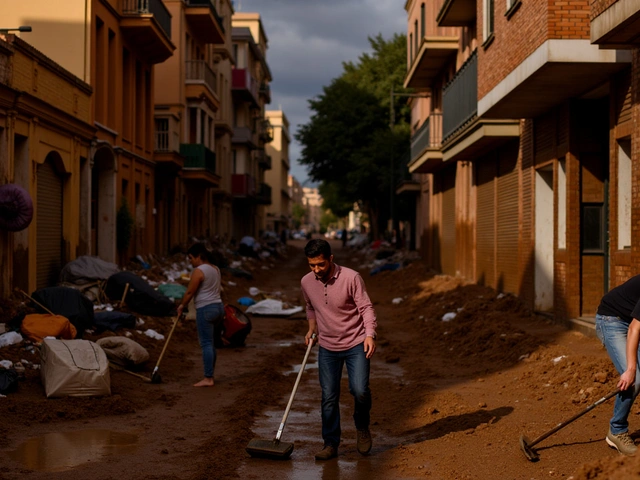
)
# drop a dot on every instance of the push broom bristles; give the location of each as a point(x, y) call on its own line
point(269, 449)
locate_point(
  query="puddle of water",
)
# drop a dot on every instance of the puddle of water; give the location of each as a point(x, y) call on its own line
point(308, 366)
point(59, 451)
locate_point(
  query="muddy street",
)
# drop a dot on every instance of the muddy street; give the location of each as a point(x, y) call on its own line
point(450, 398)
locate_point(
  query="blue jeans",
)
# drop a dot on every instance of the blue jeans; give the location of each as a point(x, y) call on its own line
point(612, 332)
point(330, 365)
point(209, 320)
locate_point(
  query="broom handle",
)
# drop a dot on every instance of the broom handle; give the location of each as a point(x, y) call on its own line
point(36, 302)
point(575, 417)
point(295, 388)
point(165, 345)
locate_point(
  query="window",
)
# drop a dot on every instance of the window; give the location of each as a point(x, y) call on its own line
point(487, 28)
point(415, 36)
point(624, 194)
point(593, 228)
point(422, 19)
point(411, 47)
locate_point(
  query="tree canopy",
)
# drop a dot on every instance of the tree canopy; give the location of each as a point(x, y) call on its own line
point(348, 144)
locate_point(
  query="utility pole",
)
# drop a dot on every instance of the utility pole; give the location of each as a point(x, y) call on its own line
point(392, 122)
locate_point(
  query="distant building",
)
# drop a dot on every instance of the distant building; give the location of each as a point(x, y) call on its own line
point(312, 202)
point(279, 212)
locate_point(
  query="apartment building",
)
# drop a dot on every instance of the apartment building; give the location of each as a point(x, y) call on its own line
point(251, 130)
point(45, 148)
point(518, 184)
point(312, 202)
point(278, 214)
point(192, 117)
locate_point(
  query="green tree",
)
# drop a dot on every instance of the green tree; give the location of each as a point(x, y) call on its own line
point(347, 144)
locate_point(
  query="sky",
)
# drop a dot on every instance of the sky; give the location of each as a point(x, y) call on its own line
point(308, 41)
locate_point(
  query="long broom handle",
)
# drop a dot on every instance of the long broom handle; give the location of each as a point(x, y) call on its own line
point(295, 388)
point(165, 345)
point(575, 417)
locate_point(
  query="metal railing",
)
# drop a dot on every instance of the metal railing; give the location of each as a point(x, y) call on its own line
point(199, 70)
point(460, 97)
point(263, 195)
point(212, 7)
point(429, 135)
point(145, 7)
point(198, 156)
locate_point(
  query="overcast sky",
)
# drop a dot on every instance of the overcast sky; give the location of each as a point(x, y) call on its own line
point(309, 40)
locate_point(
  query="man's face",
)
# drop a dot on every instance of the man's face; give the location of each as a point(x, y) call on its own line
point(321, 267)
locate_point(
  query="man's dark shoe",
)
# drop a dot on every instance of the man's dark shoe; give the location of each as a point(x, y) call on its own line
point(364, 441)
point(328, 452)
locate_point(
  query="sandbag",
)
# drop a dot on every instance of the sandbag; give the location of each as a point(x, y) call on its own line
point(123, 351)
point(74, 368)
point(141, 297)
point(69, 303)
point(16, 208)
point(114, 321)
point(36, 326)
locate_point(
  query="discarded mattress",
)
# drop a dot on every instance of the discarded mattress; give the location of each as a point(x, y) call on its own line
point(69, 303)
point(114, 321)
point(141, 297)
point(272, 307)
point(74, 368)
point(87, 269)
point(123, 351)
point(37, 326)
point(16, 208)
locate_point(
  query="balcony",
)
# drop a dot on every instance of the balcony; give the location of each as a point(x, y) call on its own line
point(263, 196)
point(434, 53)
point(243, 185)
point(263, 159)
point(244, 87)
point(199, 164)
point(243, 136)
point(617, 26)
point(460, 97)
point(201, 83)
point(264, 129)
point(147, 25)
point(206, 25)
point(457, 13)
point(406, 181)
point(265, 91)
point(167, 151)
point(425, 145)
point(556, 71)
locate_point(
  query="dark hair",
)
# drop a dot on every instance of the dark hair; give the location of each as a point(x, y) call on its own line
point(317, 247)
point(199, 250)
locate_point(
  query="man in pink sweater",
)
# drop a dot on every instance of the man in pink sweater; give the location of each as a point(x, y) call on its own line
point(340, 312)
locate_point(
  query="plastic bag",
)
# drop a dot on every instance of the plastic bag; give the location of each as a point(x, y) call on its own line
point(8, 381)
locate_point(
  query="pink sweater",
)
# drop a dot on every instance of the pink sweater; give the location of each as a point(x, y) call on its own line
point(342, 309)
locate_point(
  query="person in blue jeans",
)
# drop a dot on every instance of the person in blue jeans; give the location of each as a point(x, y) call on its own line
point(204, 288)
point(618, 328)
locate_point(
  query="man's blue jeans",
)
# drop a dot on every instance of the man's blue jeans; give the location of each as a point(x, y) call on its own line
point(209, 321)
point(330, 365)
point(612, 332)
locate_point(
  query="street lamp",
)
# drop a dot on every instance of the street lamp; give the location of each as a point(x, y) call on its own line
point(392, 122)
point(21, 29)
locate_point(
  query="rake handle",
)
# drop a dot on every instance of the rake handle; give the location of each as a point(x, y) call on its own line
point(575, 417)
point(295, 388)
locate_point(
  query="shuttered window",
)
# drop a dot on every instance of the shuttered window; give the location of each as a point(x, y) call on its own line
point(507, 214)
point(485, 220)
point(49, 226)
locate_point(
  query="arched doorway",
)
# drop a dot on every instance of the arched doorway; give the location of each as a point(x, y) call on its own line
point(103, 204)
point(49, 216)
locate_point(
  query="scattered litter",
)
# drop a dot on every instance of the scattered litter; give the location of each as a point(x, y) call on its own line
point(154, 334)
point(420, 317)
point(460, 309)
point(253, 291)
point(396, 300)
point(523, 357)
point(128, 334)
point(10, 338)
point(246, 301)
point(447, 317)
point(6, 363)
point(500, 295)
point(264, 267)
point(272, 307)
point(235, 264)
point(231, 284)
point(558, 359)
point(139, 322)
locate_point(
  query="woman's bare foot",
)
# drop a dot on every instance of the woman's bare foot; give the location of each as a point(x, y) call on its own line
point(207, 382)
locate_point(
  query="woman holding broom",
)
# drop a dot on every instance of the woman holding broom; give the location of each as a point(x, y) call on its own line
point(204, 288)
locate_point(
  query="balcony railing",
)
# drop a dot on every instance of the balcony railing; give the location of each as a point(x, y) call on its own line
point(429, 135)
point(402, 170)
point(263, 196)
point(460, 97)
point(197, 156)
point(213, 9)
point(263, 159)
point(244, 83)
point(145, 7)
point(199, 70)
point(243, 185)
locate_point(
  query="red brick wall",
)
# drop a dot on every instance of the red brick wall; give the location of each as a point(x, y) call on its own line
point(599, 6)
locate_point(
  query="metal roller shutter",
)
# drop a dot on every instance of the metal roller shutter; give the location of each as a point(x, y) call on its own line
point(507, 220)
point(49, 226)
point(485, 171)
point(448, 249)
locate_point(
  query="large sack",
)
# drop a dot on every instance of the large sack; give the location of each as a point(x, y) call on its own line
point(36, 326)
point(74, 368)
point(69, 303)
point(87, 269)
point(141, 297)
point(123, 351)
